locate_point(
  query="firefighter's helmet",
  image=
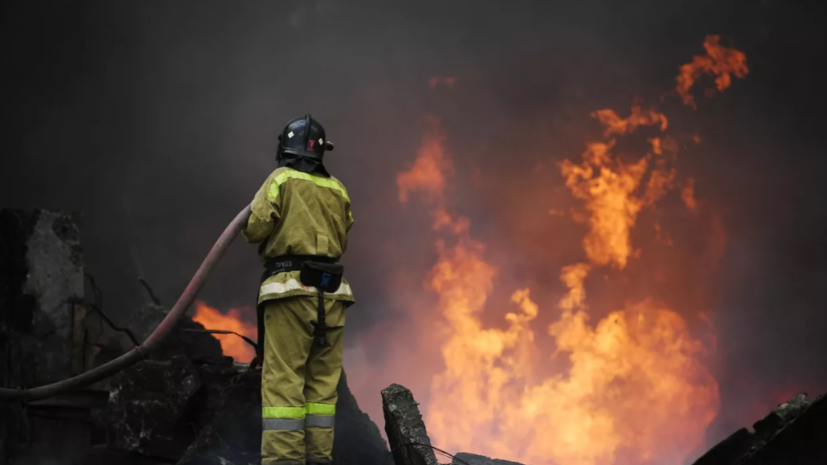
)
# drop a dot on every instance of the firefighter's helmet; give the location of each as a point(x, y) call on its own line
point(304, 137)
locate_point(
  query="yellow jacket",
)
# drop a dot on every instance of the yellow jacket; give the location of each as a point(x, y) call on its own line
point(296, 213)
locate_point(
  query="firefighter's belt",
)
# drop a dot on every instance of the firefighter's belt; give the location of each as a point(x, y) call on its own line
point(323, 273)
point(288, 263)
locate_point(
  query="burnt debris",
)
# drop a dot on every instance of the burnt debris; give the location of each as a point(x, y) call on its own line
point(406, 431)
point(408, 436)
point(187, 404)
point(210, 413)
point(471, 459)
point(795, 433)
point(149, 405)
point(41, 280)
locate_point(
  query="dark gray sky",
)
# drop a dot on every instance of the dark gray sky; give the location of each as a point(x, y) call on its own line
point(158, 121)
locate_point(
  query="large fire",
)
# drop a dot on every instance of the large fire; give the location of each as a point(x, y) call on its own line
point(636, 389)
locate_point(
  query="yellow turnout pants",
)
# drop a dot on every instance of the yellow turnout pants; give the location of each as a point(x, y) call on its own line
point(298, 381)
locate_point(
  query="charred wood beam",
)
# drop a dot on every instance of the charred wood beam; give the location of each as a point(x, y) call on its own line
point(406, 431)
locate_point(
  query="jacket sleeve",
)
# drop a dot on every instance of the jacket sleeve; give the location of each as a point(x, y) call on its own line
point(265, 212)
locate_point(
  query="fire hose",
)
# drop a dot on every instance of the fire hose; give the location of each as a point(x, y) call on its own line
point(154, 340)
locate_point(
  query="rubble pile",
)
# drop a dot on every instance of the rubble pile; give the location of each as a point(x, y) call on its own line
point(41, 270)
point(192, 405)
point(795, 433)
point(149, 405)
point(41, 280)
point(187, 404)
point(209, 412)
point(355, 427)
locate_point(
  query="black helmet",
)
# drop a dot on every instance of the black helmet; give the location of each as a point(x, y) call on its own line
point(304, 137)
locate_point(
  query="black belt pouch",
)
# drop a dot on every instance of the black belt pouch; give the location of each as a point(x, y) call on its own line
point(326, 277)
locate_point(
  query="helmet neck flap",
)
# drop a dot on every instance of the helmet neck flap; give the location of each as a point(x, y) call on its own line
point(302, 145)
point(301, 163)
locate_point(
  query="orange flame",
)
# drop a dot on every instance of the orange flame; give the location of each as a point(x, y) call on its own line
point(634, 360)
point(430, 169)
point(232, 345)
point(609, 186)
point(720, 61)
point(688, 194)
point(636, 389)
point(641, 357)
point(615, 125)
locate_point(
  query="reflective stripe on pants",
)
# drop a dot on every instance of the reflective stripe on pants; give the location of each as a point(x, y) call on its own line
point(282, 424)
point(320, 415)
point(320, 421)
point(283, 418)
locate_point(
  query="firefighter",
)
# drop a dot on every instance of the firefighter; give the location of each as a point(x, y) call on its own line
point(301, 218)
